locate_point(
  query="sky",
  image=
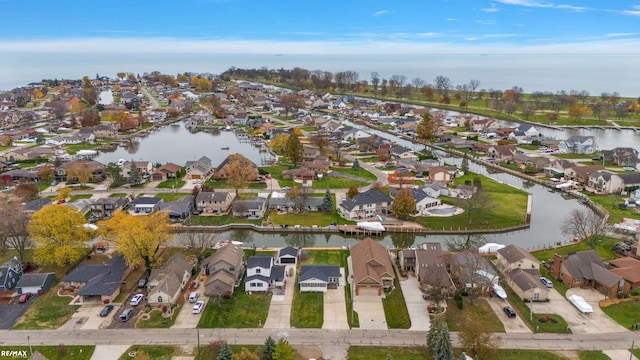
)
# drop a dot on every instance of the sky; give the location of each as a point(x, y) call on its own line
point(352, 27)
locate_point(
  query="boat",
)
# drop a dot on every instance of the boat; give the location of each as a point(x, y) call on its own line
point(224, 148)
point(499, 291)
point(580, 304)
point(489, 248)
point(121, 162)
point(222, 243)
point(370, 226)
point(86, 153)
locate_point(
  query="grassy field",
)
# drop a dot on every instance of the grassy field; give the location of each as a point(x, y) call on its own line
point(307, 309)
point(243, 311)
point(592, 355)
point(143, 352)
point(603, 250)
point(610, 203)
point(49, 311)
point(308, 219)
point(481, 312)
point(222, 184)
point(337, 257)
point(221, 220)
point(171, 196)
point(516, 354)
point(383, 352)
point(156, 320)
point(624, 313)
point(336, 183)
point(359, 172)
point(66, 352)
point(395, 309)
point(171, 184)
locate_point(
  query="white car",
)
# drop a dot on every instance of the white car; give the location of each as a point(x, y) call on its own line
point(136, 299)
point(197, 307)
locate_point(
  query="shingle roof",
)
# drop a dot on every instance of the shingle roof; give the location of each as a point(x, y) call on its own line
point(145, 200)
point(370, 260)
point(33, 279)
point(289, 250)
point(512, 253)
point(278, 273)
point(101, 279)
point(371, 196)
point(587, 265)
point(263, 261)
point(320, 272)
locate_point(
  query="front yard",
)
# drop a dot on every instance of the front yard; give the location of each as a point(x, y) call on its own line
point(395, 308)
point(481, 312)
point(307, 309)
point(243, 311)
point(59, 352)
point(49, 311)
point(625, 313)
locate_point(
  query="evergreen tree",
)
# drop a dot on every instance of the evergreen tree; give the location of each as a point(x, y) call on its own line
point(268, 349)
point(327, 202)
point(438, 339)
point(465, 163)
point(134, 175)
point(356, 164)
point(225, 353)
point(294, 149)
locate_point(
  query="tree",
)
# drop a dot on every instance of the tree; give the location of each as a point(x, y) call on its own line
point(59, 235)
point(443, 84)
point(121, 75)
point(14, 230)
point(438, 339)
point(327, 202)
point(375, 81)
point(138, 237)
point(197, 241)
point(268, 349)
point(404, 204)
point(464, 166)
point(135, 177)
point(426, 129)
point(470, 269)
point(279, 142)
point(299, 196)
point(468, 242)
point(578, 111)
point(63, 193)
point(356, 164)
point(225, 353)
point(26, 190)
point(353, 191)
point(245, 354)
point(477, 341)
point(584, 225)
point(321, 141)
point(291, 102)
point(238, 171)
point(294, 149)
point(479, 202)
point(81, 171)
point(45, 173)
point(283, 351)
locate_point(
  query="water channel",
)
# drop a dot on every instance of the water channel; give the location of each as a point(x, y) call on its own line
point(176, 143)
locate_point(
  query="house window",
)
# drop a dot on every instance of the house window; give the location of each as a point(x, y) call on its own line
point(577, 281)
point(258, 271)
point(159, 299)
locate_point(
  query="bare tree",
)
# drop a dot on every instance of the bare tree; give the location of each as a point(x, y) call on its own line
point(473, 273)
point(299, 196)
point(584, 225)
point(13, 227)
point(468, 242)
point(477, 341)
point(477, 203)
point(375, 81)
point(197, 241)
point(443, 84)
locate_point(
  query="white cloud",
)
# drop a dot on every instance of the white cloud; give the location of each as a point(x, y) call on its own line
point(451, 19)
point(485, 22)
point(428, 35)
point(528, 3)
point(380, 13)
point(491, 9)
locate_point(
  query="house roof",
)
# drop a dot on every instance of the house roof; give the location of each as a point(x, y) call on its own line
point(278, 273)
point(371, 196)
point(627, 267)
point(263, 261)
point(100, 279)
point(587, 265)
point(432, 269)
point(512, 254)
point(524, 279)
point(33, 279)
point(320, 272)
point(288, 251)
point(35, 205)
point(145, 200)
point(244, 205)
point(370, 260)
point(229, 254)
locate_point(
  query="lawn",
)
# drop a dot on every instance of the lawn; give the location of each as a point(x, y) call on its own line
point(610, 203)
point(143, 352)
point(624, 313)
point(603, 250)
point(221, 184)
point(359, 172)
point(337, 257)
point(592, 355)
point(207, 353)
point(517, 354)
point(221, 220)
point(337, 183)
point(308, 219)
point(481, 312)
point(395, 308)
point(243, 311)
point(383, 352)
point(171, 184)
point(165, 196)
point(307, 309)
point(79, 196)
point(66, 352)
point(49, 311)
point(156, 320)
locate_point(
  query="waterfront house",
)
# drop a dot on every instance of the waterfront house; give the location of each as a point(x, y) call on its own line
point(578, 144)
point(372, 269)
point(370, 203)
point(319, 278)
point(218, 202)
point(584, 269)
point(223, 270)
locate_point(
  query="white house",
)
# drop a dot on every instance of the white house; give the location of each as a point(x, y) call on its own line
point(262, 274)
point(355, 134)
point(319, 277)
point(367, 204)
point(578, 145)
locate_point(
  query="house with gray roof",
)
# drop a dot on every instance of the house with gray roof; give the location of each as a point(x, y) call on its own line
point(512, 257)
point(178, 210)
point(223, 270)
point(319, 277)
point(35, 205)
point(287, 255)
point(262, 274)
point(167, 281)
point(97, 281)
point(145, 204)
point(216, 202)
point(251, 208)
point(621, 156)
point(370, 203)
point(10, 273)
point(604, 181)
point(35, 283)
point(584, 269)
point(200, 169)
point(578, 144)
point(103, 208)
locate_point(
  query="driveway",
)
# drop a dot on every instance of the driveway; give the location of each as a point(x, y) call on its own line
point(108, 352)
point(12, 312)
point(280, 309)
point(370, 312)
point(416, 305)
point(335, 309)
point(186, 319)
point(580, 323)
point(88, 317)
point(511, 325)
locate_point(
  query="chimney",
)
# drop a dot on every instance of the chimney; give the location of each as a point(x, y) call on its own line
point(555, 267)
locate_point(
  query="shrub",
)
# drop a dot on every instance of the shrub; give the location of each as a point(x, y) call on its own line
point(62, 351)
point(215, 346)
point(458, 298)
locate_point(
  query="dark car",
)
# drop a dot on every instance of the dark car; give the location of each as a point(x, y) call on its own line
point(509, 311)
point(106, 310)
point(142, 282)
point(24, 297)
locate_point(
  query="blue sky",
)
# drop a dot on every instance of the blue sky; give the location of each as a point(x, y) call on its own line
point(322, 27)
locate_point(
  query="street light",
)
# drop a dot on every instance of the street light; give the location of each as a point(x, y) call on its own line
point(29, 342)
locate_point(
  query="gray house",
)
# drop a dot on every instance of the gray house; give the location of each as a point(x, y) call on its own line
point(10, 273)
point(98, 281)
point(35, 283)
point(319, 277)
point(251, 208)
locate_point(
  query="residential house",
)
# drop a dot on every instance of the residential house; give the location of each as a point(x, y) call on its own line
point(512, 257)
point(581, 174)
point(319, 278)
point(66, 170)
point(97, 281)
point(145, 204)
point(355, 134)
point(578, 144)
point(464, 191)
point(299, 174)
point(10, 273)
point(250, 208)
point(522, 272)
point(143, 167)
point(538, 162)
point(483, 125)
point(104, 131)
point(222, 171)
point(372, 268)
point(200, 169)
point(35, 283)
point(426, 261)
point(177, 210)
point(166, 171)
point(613, 183)
point(501, 152)
point(423, 201)
point(223, 270)
point(218, 202)
point(287, 255)
point(439, 174)
point(370, 203)
point(558, 166)
point(621, 156)
point(262, 274)
point(436, 189)
point(35, 205)
point(584, 269)
point(320, 164)
point(103, 208)
point(472, 271)
point(629, 269)
point(310, 154)
point(167, 282)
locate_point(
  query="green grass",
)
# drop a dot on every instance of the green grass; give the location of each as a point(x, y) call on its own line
point(66, 352)
point(517, 354)
point(118, 195)
point(308, 219)
point(336, 257)
point(156, 320)
point(171, 184)
point(523, 309)
point(382, 352)
point(359, 172)
point(603, 250)
point(72, 149)
point(243, 311)
point(636, 352)
point(165, 196)
point(155, 352)
point(336, 183)
point(481, 312)
point(592, 355)
point(49, 311)
point(395, 308)
point(79, 196)
point(307, 309)
point(223, 184)
point(610, 203)
point(624, 313)
point(221, 220)
point(576, 156)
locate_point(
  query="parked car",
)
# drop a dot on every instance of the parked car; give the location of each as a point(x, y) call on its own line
point(142, 282)
point(193, 297)
point(197, 307)
point(106, 310)
point(54, 183)
point(126, 315)
point(509, 311)
point(24, 298)
point(136, 299)
point(548, 283)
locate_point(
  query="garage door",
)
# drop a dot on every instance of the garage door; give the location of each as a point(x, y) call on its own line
point(367, 291)
point(196, 176)
point(287, 260)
